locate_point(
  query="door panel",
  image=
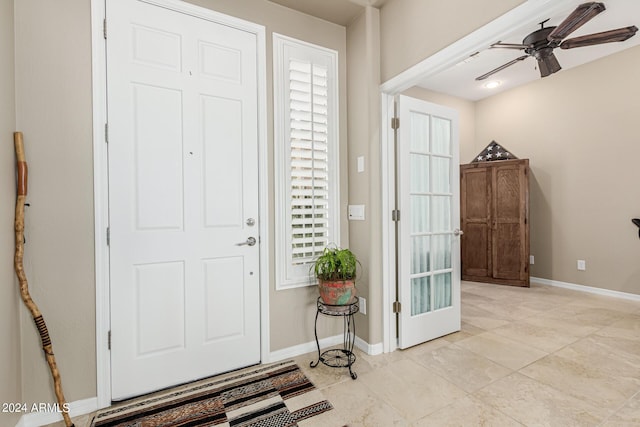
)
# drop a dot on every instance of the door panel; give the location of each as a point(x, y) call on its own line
point(476, 253)
point(157, 144)
point(476, 219)
point(159, 301)
point(222, 146)
point(429, 252)
point(508, 236)
point(507, 251)
point(224, 301)
point(183, 162)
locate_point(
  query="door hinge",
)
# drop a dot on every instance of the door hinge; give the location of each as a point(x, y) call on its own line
point(395, 215)
point(106, 133)
point(395, 123)
point(397, 307)
point(108, 236)
point(104, 28)
point(109, 340)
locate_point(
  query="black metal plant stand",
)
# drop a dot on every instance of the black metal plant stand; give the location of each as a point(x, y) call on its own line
point(338, 357)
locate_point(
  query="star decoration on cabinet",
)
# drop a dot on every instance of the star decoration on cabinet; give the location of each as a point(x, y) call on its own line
point(493, 152)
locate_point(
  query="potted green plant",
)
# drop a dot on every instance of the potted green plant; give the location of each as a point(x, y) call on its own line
point(335, 270)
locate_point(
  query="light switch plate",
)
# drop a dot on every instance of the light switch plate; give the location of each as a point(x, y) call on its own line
point(360, 163)
point(356, 212)
point(362, 303)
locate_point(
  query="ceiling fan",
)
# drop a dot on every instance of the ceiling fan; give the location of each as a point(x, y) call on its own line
point(540, 43)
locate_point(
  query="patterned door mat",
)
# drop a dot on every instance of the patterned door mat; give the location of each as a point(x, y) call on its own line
point(274, 395)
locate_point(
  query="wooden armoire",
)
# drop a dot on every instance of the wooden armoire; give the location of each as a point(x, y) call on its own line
point(494, 211)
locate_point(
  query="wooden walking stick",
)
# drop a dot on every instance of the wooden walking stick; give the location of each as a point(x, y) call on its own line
point(22, 278)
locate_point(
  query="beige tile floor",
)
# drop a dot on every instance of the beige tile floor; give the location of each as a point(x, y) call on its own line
point(541, 356)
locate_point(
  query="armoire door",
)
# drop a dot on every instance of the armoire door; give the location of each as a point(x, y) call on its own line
point(183, 197)
point(510, 238)
point(475, 213)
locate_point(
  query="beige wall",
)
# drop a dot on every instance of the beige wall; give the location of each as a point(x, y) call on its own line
point(413, 30)
point(579, 128)
point(363, 41)
point(10, 384)
point(53, 99)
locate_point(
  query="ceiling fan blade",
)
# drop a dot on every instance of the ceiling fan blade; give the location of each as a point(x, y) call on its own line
point(583, 14)
point(502, 67)
point(548, 65)
point(509, 46)
point(618, 35)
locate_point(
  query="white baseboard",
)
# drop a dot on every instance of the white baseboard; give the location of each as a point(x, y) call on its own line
point(297, 350)
point(370, 349)
point(77, 408)
point(310, 347)
point(589, 289)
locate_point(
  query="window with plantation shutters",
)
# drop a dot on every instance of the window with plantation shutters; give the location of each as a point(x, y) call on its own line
point(305, 97)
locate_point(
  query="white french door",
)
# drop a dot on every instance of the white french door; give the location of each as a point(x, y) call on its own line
point(183, 197)
point(428, 230)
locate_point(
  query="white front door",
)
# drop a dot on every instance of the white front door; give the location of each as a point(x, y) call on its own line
point(183, 194)
point(428, 230)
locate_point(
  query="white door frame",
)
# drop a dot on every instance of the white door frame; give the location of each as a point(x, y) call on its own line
point(481, 39)
point(101, 187)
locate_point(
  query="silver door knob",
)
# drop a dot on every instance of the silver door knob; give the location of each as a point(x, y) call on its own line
point(251, 222)
point(458, 232)
point(250, 242)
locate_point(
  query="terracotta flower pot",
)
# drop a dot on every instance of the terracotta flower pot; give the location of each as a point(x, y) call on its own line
point(340, 292)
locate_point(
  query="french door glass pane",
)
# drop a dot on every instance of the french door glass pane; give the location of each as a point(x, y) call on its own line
point(420, 295)
point(441, 213)
point(441, 143)
point(441, 290)
point(419, 214)
point(441, 252)
point(419, 133)
point(419, 173)
point(430, 177)
point(419, 254)
point(441, 175)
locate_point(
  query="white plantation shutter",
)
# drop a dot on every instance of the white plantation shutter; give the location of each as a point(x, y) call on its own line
point(309, 160)
point(305, 93)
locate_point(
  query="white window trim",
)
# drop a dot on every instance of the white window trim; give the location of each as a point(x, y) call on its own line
point(281, 46)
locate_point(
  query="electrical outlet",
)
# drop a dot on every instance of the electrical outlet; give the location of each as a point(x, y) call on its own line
point(582, 265)
point(532, 259)
point(362, 303)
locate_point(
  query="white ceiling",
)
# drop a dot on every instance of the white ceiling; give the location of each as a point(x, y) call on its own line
point(460, 80)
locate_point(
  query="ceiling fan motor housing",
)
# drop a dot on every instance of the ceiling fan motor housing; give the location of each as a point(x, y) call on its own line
point(541, 48)
point(538, 40)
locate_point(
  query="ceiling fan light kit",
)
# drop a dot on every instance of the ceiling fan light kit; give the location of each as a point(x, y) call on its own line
point(492, 84)
point(541, 43)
